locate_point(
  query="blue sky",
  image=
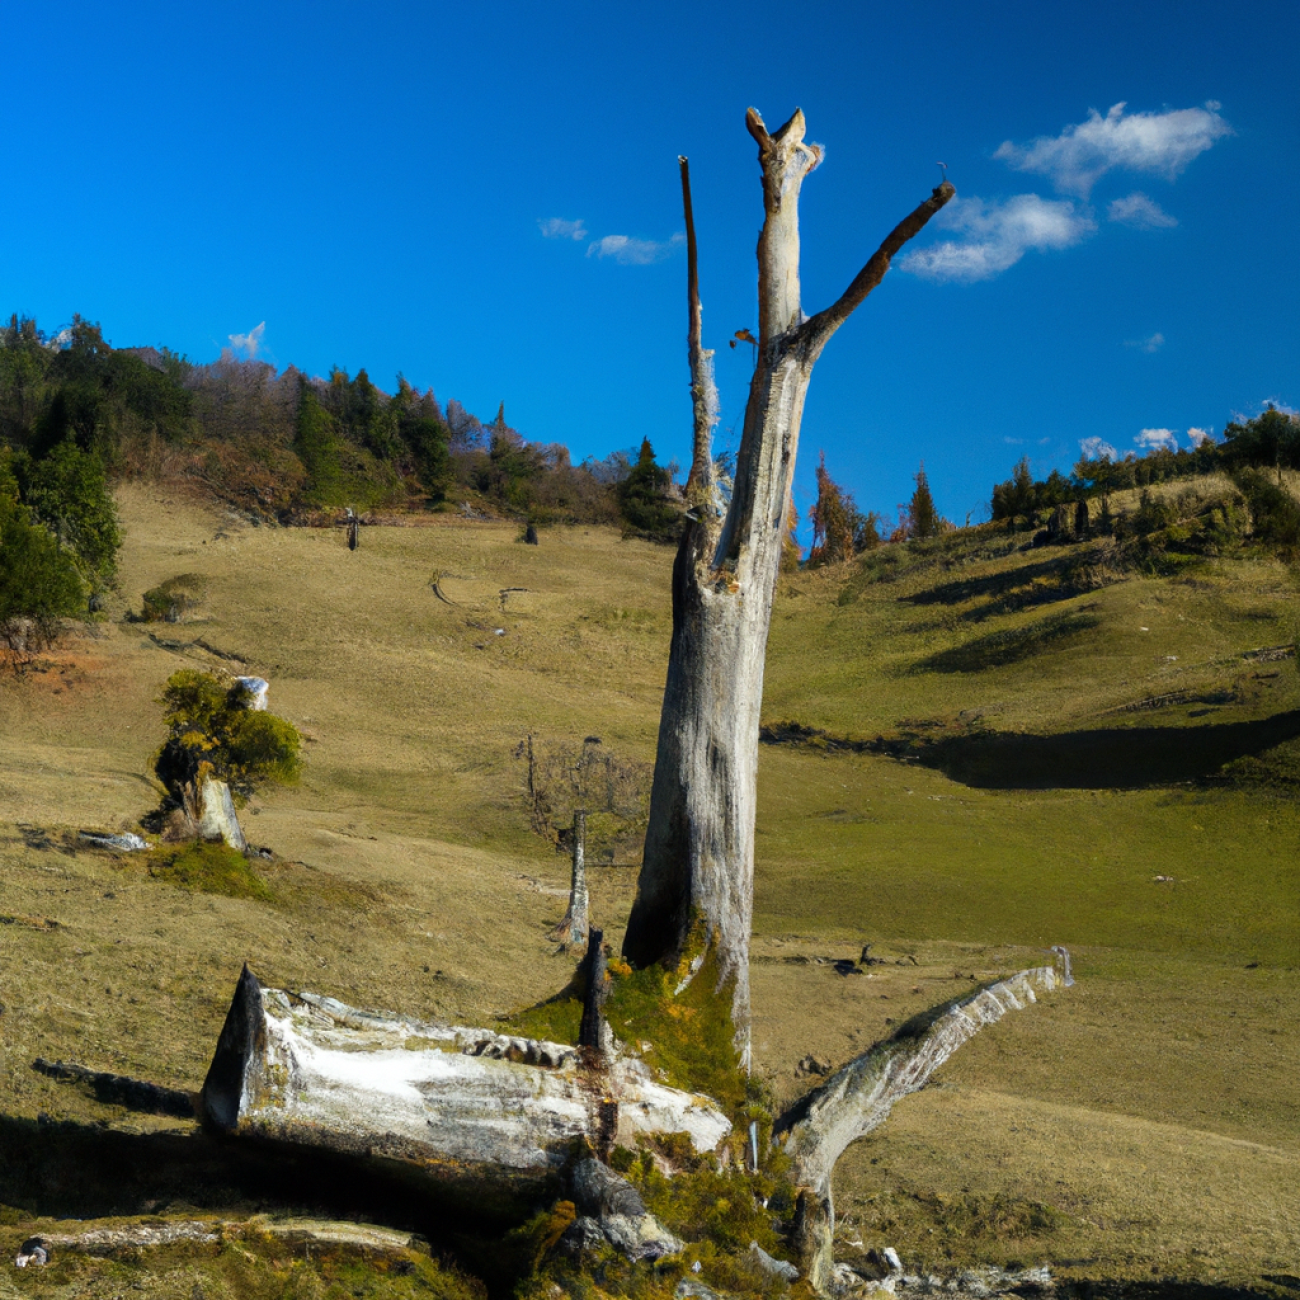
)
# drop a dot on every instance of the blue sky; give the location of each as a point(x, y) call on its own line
point(485, 197)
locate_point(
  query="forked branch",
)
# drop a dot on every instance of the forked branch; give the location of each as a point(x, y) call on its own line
point(859, 1097)
point(825, 323)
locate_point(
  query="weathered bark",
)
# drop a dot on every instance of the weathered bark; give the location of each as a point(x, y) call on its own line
point(574, 927)
point(214, 814)
point(460, 1104)
point(696, 882)
point(859, 1097)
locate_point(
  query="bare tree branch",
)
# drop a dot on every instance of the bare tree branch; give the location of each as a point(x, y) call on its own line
point(825, 323)
point(704, 393)
point(859, 1097)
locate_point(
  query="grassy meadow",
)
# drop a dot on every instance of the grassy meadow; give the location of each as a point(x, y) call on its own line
point(1009, 749)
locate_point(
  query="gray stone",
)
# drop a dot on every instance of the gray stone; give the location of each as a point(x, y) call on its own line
point(777, 1267)
point(640, 1238)
point(597, 1190)
point(255, 689)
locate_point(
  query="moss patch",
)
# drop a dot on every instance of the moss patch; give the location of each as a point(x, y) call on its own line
point(689, 1033)
point(209, 869)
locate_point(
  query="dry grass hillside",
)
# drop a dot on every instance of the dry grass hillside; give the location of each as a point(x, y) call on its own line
point(1099, 760)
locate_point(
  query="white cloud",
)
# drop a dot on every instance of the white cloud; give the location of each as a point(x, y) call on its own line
point(1198, 436)
point(1140, 212)
point(1096, 448)
point(248, 343)
point(634, 252)
point(1015, 442)
point(1152, 342)
point(1150, 439)
point(1163, 143)
point(995, 236)
point(558, 228)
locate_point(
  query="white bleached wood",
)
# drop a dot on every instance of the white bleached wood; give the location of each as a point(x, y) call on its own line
point(696, 882)
point(307, 1069)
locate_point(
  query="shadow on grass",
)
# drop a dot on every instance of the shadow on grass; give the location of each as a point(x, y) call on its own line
point(1012, 645)
point(1116, 759)
point(71, 1170)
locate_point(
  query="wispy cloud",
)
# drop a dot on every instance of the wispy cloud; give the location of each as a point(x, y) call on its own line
point(558, 228)
point(634, 252)
point(1140, 212)
point(1150, 439)
point(1163, 143)
point(1096, 448)
point(1152, 343)
point(248, 343)
point(995, 236)
point(1198, 436)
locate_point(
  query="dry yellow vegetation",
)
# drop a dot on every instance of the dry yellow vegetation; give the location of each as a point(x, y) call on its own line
point(1146, 1122)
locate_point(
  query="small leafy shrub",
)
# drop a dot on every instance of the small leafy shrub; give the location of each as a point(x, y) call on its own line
point(213, 732)
point(170, 601)
point(1275, 512)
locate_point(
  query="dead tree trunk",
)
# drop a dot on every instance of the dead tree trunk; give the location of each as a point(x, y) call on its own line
point(572, 930)
point(696, 882)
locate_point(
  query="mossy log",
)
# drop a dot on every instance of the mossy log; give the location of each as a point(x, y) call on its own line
point(464, 1105)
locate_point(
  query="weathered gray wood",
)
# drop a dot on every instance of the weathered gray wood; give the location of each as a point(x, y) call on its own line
point(696, 882)
point(574, 927)
point(214, 814)
point(859, 1097)
point(307, 1069)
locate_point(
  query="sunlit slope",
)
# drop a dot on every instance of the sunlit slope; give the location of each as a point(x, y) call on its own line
point(410, 878)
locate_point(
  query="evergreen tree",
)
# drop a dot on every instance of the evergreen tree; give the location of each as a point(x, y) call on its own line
point(316, 443)
point(923, 520)
point(642, 498)
point(68, 493)
point(39, 584)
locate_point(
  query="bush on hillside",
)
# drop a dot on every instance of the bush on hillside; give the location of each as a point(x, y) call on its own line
point(213, 732)
point(1274, 511)
point(170, 601)
point(68, 492)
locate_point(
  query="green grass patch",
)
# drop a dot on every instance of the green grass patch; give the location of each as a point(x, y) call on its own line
point(210, 869)
point(557, 1020)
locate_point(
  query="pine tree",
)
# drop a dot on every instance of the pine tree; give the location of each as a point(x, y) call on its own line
point(923, 520)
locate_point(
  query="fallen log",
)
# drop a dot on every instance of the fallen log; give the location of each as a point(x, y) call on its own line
point(461, 1104)
point(858, 1098)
